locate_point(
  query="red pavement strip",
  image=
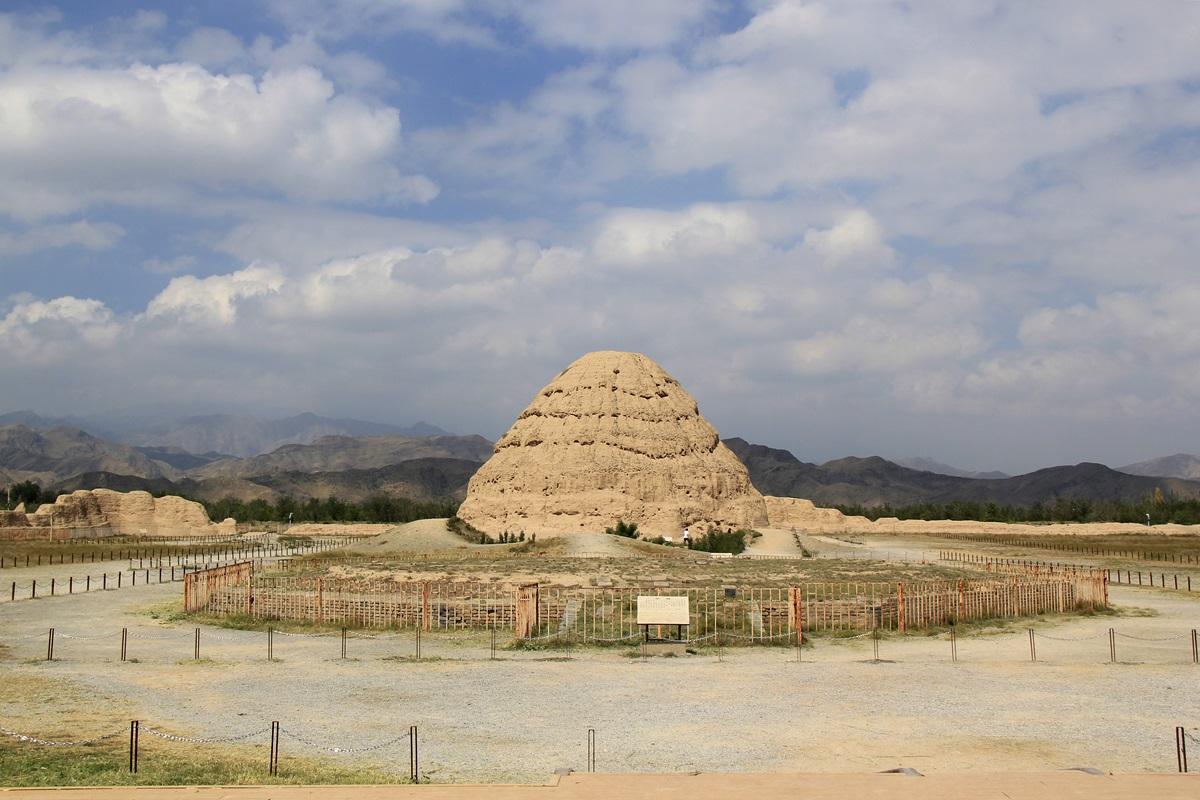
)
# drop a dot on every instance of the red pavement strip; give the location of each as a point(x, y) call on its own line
point(1064, 785)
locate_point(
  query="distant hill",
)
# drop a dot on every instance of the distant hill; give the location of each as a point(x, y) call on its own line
point(1180, 465)
point(416, 479)
point(425, 479)
point(337, 453)
point(930, 465)
point(50, 456)
point(875, 481)
point(246, 436)
point(211, 489)
point(179, 458)
point(37, 422)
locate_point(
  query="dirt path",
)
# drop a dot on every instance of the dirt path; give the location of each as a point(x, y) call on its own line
point(774, 541)
point(1069, 785)
point(520, 717)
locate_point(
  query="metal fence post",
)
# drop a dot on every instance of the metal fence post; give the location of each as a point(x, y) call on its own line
point(1112, 645)
point(134, 725)
point(591, 750)
point(343, 642)
point(1032, 645)
point(124, 642)
point(953, 645)
point(414, 772)
point(197, 654)
point(274, 763)
point(270, 644)
point(50, 646)
point(1181, 748)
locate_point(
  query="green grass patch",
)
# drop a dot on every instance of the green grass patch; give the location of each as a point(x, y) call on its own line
point(169, 764)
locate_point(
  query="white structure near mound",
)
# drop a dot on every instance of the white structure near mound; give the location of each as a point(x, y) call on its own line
point(104, 511)
point(613, 437)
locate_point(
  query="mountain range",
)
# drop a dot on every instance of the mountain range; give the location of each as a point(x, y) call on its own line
point(930, 465)
point(430, 464)
point(229, 434)
point(875, 481)
point(422, 467)
point(1180, 465)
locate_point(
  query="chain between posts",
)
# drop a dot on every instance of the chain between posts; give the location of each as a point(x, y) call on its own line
point(22, 737)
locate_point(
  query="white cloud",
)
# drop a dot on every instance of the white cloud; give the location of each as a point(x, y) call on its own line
point(44, 334)
point(873, 345)
point(88, 235)
point(168, 266)
point(210, 47)
point(78, 136)
point(647, 236)
point(214, 300)
point(444, 20)
point(612, 24)
point(855, 241)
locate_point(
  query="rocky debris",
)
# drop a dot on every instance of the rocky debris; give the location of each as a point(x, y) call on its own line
point(613, 437)
point(121, 513)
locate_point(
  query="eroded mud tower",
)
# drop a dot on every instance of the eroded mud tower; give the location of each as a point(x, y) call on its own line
point(613, 437)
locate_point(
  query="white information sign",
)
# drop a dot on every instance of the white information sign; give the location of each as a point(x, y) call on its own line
point(654, 610)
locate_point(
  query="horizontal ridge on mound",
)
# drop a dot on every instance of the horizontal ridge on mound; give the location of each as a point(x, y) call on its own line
point(612, 437)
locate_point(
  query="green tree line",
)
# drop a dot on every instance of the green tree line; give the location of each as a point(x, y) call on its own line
point(378, 508)
point(1161, 508)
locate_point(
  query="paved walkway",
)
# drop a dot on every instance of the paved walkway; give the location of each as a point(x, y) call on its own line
point(1068, 785)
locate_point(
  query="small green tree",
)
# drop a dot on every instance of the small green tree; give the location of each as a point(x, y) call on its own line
point(629, 530)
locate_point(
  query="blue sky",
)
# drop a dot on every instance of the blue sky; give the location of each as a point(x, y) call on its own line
point(965, 230)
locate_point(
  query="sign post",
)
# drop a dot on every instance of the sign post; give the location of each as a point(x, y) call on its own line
point(658, 611)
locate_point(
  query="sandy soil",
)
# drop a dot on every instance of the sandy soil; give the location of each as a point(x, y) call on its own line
point(774, 541)
point(518, 718)
point(1066, 785)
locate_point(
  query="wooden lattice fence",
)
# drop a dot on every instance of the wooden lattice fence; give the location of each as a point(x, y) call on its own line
point(760, 614)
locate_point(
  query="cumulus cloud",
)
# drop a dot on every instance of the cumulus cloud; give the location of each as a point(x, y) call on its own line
point(214, 300)
point(870, 211)
point(47, 333)
point(647, 236)
point(856, 240)
point(78, 136)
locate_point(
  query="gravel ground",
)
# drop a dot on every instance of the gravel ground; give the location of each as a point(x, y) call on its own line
point(520, 717)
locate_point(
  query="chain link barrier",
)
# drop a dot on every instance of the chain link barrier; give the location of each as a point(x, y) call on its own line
point(22, 737)
point(1041, 635)
point(1152, 638)
point(339, 750)
point(202, 739)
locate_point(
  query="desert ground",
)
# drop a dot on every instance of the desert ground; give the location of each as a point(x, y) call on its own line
point(831, 707)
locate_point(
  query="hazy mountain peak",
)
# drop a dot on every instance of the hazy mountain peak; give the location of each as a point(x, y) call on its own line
point(247, 436)
point(931, 465)
point(1180, 465)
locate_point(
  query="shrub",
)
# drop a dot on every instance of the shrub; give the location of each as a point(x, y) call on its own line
point(469, 532)
point(627, 529)
point(719, 541)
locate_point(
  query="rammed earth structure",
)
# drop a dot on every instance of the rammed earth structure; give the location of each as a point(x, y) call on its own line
point(613, 437)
